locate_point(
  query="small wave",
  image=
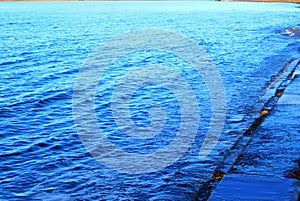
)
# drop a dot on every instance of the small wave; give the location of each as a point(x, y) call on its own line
point(12, 62)
point(13, 153)
point(52, 197)
point(6, 112)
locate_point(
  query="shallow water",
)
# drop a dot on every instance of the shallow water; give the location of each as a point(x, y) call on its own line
point(42, 48)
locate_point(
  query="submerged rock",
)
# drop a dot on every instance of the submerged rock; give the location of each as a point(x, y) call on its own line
point(292, 32)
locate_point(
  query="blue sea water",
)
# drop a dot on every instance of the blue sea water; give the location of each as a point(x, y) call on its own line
point(42, 48)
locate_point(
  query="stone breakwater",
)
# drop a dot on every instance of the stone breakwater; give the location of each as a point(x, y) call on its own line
point(264, 164)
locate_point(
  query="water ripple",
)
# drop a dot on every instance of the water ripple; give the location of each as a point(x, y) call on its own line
point(41, 50)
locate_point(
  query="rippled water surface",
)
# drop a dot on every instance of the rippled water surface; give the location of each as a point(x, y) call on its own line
point(43, 46)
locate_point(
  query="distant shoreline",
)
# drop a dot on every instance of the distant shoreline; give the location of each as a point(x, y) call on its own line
point(271, 1)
